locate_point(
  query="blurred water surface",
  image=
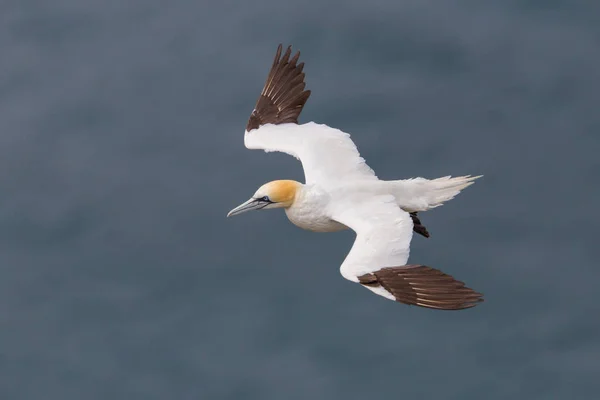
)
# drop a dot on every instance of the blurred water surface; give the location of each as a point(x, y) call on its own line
point(121, 151)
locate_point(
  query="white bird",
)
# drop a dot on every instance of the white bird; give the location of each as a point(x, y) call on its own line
point(342, 192)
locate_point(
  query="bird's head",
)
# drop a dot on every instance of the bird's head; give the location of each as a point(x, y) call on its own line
point(275, 194)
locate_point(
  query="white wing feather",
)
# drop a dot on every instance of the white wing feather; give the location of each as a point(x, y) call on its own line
point(327, 154)
point(383, 233)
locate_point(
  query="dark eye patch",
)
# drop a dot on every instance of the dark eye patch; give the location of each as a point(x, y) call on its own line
point(263, 202)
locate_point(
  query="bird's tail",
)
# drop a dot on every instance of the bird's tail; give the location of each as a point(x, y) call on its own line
point(420, 194)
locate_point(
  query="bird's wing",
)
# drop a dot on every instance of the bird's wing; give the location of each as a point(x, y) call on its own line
point(378, 257)
point(327, 154)
point(383, 233)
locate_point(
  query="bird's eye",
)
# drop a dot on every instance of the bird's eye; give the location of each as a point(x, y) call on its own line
point(265, 198)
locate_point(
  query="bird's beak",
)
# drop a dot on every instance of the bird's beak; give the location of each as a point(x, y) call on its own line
point(252, 204)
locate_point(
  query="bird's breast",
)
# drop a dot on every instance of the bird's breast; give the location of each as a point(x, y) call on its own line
point(313, 220)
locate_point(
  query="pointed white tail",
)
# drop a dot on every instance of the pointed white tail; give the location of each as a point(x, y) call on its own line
point(420, 194)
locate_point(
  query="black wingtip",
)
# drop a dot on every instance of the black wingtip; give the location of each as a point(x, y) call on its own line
point(419, 285)
point(283, 96)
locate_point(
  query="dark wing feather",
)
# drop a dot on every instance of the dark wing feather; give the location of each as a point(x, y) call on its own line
point(423, 286)
point(283, 96)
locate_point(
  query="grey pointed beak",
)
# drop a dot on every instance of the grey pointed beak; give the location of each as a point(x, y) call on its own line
point(251, 204)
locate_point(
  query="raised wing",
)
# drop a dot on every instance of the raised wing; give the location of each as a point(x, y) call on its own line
point(327, 154)
point(378, 257)
point(283, 95)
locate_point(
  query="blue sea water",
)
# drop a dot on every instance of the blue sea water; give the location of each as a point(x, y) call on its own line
point(121, 152)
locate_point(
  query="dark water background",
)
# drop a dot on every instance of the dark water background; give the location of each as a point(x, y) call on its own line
point(121, 151)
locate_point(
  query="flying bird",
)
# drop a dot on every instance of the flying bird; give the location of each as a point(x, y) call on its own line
point(342, 192)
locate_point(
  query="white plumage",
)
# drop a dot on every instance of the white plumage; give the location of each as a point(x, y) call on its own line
point(327, 154)
point(342, 191)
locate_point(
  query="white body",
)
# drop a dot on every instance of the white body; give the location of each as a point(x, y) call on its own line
point(311, 210)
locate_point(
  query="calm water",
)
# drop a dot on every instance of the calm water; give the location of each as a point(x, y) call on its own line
point(121, 151)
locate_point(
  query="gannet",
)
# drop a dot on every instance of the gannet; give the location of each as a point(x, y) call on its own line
point(343, 192)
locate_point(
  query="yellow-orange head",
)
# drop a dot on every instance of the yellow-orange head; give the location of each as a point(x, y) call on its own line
point(275, 194)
